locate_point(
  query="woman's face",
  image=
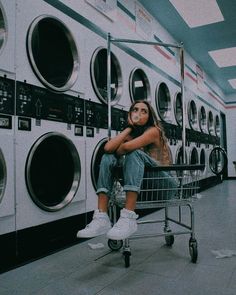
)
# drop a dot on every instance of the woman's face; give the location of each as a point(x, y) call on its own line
point(139, 114)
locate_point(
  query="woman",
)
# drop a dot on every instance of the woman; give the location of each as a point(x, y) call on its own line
point(144, 144)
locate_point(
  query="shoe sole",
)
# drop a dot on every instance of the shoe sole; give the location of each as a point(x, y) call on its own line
point(92, 236)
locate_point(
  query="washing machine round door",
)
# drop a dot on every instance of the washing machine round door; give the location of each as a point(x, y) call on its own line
point(53, 171)
point(192, 114)
point(178, 109)
point(193, 157)
point(217, 126)
point(3, 175)
point(139, 86)
point(52, 53)
point(210, 123)
point(163, 102)
point(179, 160)
point(3, 29)
point(98, 70)
point(218, 160)
point(203, 158)
point(202, 119)
point(96, 160)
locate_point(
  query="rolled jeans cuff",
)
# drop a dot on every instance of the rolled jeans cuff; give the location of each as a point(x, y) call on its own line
point(103, 190)
point(131, 188)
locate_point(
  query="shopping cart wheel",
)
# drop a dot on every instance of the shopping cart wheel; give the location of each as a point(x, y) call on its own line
point(169, 239)
point(115, 245)
point(127, 255)
point(193, 250)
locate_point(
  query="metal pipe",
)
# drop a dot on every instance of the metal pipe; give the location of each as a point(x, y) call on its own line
point(113, 40)
point(109, 83)
point(183, 103)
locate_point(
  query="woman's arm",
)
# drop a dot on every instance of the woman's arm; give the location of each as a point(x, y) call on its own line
point(113, 144)
point(149, 136)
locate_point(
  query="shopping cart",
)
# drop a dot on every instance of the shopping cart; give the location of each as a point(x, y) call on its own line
point(162, 187)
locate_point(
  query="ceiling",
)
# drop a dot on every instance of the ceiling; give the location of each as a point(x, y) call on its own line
point(200, 40)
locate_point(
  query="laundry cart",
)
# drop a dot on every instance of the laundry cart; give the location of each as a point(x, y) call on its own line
point(162, 187)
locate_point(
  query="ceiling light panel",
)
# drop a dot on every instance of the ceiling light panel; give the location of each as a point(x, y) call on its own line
point(233, 83)
point(198, 12)
point(224, 57)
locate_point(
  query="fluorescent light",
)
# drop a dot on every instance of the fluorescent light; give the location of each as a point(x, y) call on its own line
point(232, 83)
point(224, 57)
point(198, 13)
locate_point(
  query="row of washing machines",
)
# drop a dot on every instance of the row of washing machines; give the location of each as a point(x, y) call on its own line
point(53, 113)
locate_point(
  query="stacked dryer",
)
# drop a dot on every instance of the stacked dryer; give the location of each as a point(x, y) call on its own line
point(7, 93)
point(96, 109)
point(50, 144)
point(7, 96)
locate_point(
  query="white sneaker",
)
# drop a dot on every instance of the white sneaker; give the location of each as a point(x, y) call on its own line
point(125, 226)
point(98, 226)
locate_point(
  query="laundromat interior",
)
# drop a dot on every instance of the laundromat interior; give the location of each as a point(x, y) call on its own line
point(54, 107)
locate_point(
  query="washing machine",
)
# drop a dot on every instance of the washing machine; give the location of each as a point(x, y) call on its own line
point(217, 126)
point(139, 85)
point(7, 177)
point(50, 48)
point(163, 102)
point(96, 137)
point(50, 156)
point(7, 36)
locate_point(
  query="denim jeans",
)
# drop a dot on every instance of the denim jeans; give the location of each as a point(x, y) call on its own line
point(133, 171)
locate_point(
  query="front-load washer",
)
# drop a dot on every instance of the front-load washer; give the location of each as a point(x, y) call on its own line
point(163, 102)
point(7, 177)
point(202, 119)
point(139, 85)
point(192, 115)
point(7, 36)
point(99, 76)
point(50, 156)
point(203, 160)
point(50, 46)
point(217, 126)
point(210, 123)
point(96, 137)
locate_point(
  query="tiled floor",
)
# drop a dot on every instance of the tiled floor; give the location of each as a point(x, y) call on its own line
point(155, 269)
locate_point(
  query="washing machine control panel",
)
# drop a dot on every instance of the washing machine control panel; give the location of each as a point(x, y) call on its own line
point(40, 103)
point(97, 116)
point(7, 90)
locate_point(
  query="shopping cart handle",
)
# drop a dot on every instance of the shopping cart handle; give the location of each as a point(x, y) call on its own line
point(173, 167)
point(177, 167)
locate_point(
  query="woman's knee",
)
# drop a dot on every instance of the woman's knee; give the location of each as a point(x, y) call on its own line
point(108, 160)
point(132, 156)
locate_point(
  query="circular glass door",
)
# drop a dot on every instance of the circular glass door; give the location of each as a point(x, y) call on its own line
point(96, 160)
point(98, 69)
point(53, 171)
point(217, 126)
point(3, 29)
point(193, 157)
point(139, 86)
point(203, 158)
point(3, 175)
point(179, 160)
point(52, 53)
point(178, 109)
point(210, 123)
point(163, 102)
point(202, 120)
point(218, 160)
point(192, 114)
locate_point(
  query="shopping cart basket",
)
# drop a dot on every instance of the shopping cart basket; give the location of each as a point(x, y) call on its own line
point(162, 187)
